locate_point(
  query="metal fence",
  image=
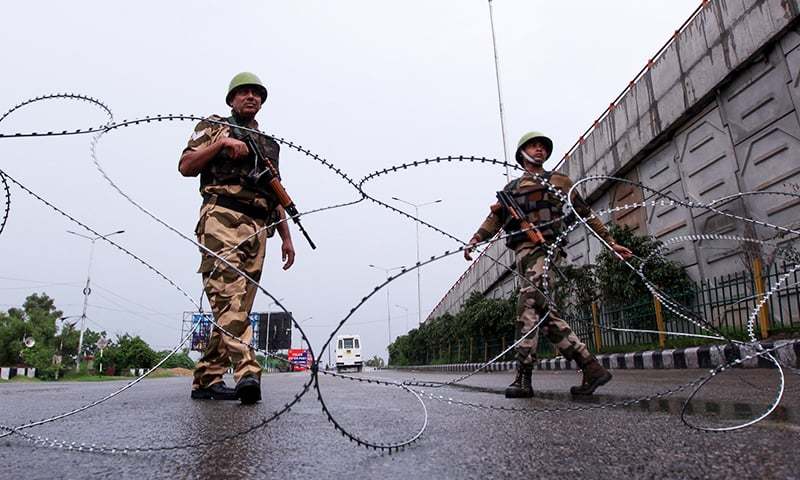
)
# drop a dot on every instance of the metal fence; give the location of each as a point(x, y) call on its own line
point(726, 302)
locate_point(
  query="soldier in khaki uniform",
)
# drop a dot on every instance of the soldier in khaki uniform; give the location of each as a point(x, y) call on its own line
point(234, 208)
point(544, 210)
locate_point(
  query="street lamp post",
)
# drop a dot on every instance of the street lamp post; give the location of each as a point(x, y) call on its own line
point(64, 326)
point(419, 270)
point(499, 91)
point(388, 303)
point(101, 343)
point(87, 290)
point(303, 320)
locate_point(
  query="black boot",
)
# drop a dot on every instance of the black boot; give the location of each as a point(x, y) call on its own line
point(594, 375)
point(218, 391)
point(521, 387)
point(248, 389)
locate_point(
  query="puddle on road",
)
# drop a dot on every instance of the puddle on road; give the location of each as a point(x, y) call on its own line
point(699, 412)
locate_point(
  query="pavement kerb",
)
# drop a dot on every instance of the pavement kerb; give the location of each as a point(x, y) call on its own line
point(706, 357)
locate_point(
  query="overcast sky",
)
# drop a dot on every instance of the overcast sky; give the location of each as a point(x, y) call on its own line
point(366, 84)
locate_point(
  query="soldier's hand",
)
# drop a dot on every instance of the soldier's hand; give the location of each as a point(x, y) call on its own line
point(287, 254)
point(234, 148)
point(470, 248)
point(623, 252)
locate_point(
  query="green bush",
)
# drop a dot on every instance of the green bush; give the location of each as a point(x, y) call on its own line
point(479, 317)
point(609, 282)
point(179, 360)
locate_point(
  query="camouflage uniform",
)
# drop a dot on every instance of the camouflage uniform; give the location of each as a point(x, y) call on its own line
point(221, 229)
point(541, 206)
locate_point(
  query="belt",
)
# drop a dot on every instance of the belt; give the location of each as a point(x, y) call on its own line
point(237, 206)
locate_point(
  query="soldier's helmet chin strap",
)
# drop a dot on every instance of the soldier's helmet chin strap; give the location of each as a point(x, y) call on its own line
point(528, 158)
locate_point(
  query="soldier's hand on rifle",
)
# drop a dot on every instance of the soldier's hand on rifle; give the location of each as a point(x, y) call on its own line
point(234, 148)
point(287, 253)
point(623, 252)
point(470, 248)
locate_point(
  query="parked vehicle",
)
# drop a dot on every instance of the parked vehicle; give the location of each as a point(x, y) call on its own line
point(348, 353)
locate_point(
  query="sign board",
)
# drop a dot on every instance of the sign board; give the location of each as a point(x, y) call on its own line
point(299, 358)
point(272, 331)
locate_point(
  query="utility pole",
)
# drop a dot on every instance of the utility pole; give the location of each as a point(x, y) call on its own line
point(499, 90)
point(65, 328)
point(87, 290)
point(419, 270)
point(388, 303)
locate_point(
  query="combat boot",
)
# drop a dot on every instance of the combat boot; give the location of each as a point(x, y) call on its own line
point(521, 387)
point(248, 389)
point(218, 391)
point(594, 375)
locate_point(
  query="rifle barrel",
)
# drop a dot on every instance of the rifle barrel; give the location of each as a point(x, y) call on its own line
point(277, 188)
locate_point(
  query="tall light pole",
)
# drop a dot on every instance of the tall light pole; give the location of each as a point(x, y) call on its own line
point(303, 320)
point(388, 303)
point(87, 290)
point(499, 91)
point(419, 270)
point(65, 328)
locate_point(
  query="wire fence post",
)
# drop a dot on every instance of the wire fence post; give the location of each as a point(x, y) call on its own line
point(662, 336)
point(763, 314)
point(598, 339)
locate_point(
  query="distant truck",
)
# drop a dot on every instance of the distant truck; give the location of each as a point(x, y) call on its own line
point(348, 353)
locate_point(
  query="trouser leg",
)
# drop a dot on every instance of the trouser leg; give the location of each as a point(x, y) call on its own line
point(231, 300)
point(532, 305)
point(212, 365)
point(230, 295)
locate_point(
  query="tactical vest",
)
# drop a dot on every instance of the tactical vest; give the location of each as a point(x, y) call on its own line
point(540, 206)
point(224, 170)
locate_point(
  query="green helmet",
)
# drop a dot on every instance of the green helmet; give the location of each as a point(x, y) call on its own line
point(534, 136)
point(243, 79)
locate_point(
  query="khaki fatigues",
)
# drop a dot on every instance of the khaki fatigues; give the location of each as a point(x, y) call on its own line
point(231, 235)
point(541, 206)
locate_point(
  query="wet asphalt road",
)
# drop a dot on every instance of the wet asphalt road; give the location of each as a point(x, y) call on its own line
point(459, 442)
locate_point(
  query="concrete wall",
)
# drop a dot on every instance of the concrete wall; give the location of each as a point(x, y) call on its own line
point(714, 114)
point(485, 276)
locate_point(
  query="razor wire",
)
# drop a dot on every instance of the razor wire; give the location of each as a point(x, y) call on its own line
point(313, 382)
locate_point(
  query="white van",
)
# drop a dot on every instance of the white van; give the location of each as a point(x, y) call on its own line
point(348, 353)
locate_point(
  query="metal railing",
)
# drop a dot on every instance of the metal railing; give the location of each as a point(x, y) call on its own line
point(726, 302)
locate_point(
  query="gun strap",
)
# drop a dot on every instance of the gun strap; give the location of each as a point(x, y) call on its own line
point(237, 206)
point(236, 133)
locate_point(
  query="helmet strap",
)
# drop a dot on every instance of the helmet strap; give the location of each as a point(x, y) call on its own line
point(528, 158)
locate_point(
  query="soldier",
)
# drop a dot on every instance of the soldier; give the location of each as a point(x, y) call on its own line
point(234, 209)
point(543, 209)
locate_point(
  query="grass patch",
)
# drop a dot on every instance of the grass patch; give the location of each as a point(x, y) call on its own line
point(20, 379)
point(87, 377)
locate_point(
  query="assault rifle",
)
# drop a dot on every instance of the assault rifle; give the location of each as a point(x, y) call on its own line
point(506, 202)
point(269, 177)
